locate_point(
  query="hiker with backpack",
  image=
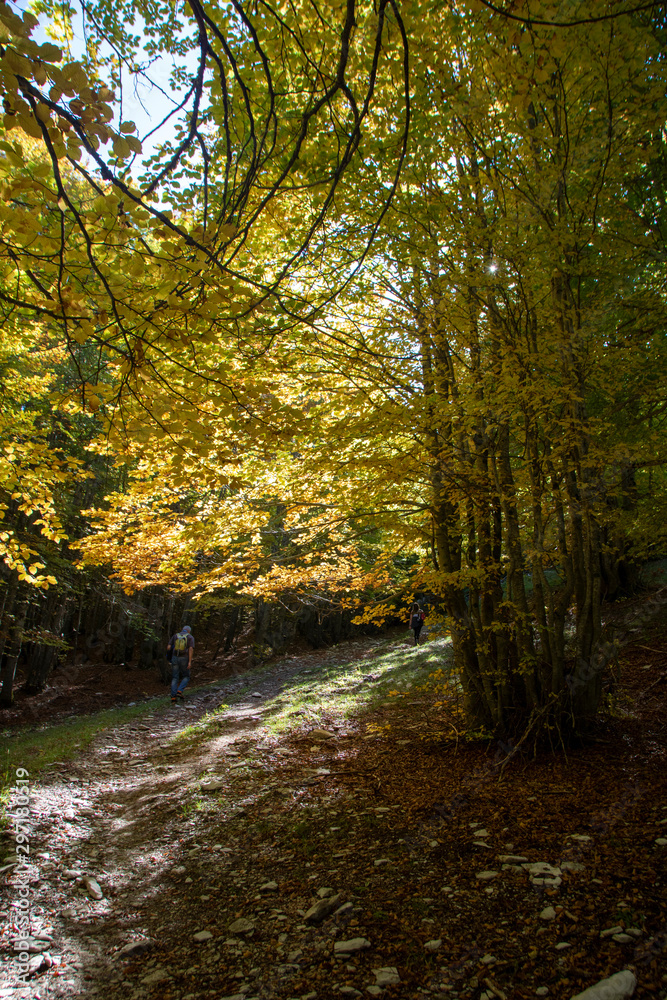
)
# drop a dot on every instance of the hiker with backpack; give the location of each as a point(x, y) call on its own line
point(417, 617)
point(180, 651)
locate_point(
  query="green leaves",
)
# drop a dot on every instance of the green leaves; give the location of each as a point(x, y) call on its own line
point(50, 53)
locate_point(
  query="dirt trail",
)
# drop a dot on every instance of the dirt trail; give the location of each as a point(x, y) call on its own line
point(120, 813)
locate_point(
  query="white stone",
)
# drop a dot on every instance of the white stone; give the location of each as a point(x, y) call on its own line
point(478, 834)
point(202, 936)
point(548, 913)
point(241, 926)
point(375, 991)
point(386, 976)
point(157, 976)
point(512, 859)
point(486, 876)
point(541, 868)
point(572, 866)
point(433, 945)
point(322, 734)
point(40, 963)
point(134, 948)
point(610, 931)
point(562, 945)
point(622, 938)
point(618, 986)
point(92, 888)
point(542, 991)
point(661, 841)
point(488, 959)
point(268, 887)
point(581, 837)
point(324, 892)
point(212, 785)
point(348, 947)
point(381, 861)
point(324, 908)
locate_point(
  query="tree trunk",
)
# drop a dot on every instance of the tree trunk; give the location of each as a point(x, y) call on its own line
point(8, 611)
point(234, 627)
point(257, 650)
point(44, 654)
point(12, 655)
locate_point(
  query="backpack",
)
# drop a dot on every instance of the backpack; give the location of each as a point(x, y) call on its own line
point(181, 644)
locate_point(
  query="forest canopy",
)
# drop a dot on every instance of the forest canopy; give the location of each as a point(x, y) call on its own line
point(372, 309)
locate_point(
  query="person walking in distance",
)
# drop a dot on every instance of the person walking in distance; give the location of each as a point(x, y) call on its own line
point(182, 648)
point(417, 617)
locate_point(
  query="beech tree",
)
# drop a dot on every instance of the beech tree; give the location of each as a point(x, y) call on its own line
point(331, 384)
point(177, 254)
point(475, 407)
point(41, 470)
point(145, 260)
point(523, 279)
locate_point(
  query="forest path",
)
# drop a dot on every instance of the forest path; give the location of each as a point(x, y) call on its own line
point(413, 835)
point(117, 811)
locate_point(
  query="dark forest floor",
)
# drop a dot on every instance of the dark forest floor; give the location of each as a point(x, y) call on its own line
point(418, 831)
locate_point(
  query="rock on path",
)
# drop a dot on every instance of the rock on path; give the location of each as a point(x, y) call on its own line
point(617, 987)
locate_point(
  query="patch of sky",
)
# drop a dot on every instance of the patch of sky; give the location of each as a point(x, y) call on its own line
point(152, 68)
